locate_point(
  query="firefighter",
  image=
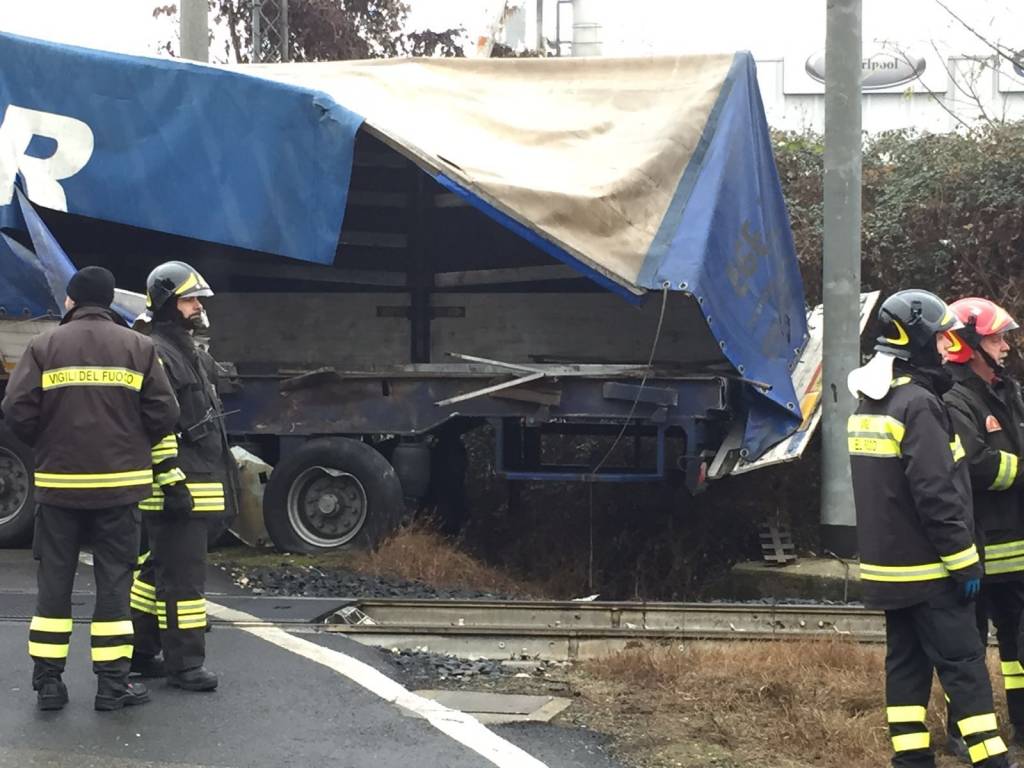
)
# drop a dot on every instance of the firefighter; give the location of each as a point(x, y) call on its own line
point(168, 594)
point(915, 530)
point(988, 415)
point(92, 400)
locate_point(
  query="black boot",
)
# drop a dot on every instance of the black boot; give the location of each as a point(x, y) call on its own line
point(148, 666)
point(198, 679)
point(116, 693)
point(51, 695)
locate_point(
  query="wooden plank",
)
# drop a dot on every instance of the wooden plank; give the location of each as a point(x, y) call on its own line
point(394, 240)
point(307, 330)
point(449, 200)
point(518, 326)
point(505, 276)
point(323, 274)
point(373, 199)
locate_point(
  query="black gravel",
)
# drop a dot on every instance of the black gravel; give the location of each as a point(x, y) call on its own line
point(417, 668)
point(310, 581)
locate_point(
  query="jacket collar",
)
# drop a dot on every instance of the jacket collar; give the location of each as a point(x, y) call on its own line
point(92, 312)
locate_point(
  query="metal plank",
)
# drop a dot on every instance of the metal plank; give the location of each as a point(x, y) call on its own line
point(488, 390)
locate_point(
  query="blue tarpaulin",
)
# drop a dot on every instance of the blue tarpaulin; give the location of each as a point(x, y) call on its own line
point(644, 175)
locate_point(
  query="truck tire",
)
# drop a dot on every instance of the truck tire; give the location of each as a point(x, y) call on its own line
point(332, 493)
point(17, 507)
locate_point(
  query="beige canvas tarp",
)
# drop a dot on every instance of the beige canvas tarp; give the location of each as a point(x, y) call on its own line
point(586, 152)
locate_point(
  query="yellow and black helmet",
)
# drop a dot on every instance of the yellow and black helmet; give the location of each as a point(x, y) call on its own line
point(174, 279)
point(910, 319)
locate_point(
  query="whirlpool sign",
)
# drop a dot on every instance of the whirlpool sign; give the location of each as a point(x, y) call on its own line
point(882, 71)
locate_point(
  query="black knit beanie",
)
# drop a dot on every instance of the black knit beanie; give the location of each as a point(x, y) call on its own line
point(92, 285)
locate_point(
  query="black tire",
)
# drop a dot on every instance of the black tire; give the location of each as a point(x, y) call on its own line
point(17, 505)
point(354, 506)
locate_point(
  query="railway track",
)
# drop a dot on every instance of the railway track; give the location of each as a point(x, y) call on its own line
point(579, 630)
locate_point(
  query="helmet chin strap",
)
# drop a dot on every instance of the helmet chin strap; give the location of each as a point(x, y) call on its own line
point(997, 368)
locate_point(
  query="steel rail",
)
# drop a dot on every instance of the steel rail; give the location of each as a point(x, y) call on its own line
point(577, 630)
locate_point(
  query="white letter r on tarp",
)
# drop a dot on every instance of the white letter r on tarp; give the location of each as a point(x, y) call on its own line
point(42, 175)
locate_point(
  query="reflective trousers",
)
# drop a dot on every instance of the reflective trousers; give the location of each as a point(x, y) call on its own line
point(58, 539)
point(939, 635)
point(168, 600)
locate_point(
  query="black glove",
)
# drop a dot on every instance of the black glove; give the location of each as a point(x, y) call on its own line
point(177, 501)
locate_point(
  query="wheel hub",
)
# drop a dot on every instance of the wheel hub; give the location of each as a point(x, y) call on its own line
point(328, 504)
point(14, 485)
point(327, 507)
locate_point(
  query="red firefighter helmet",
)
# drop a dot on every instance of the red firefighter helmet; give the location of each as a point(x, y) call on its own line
point(980, 318)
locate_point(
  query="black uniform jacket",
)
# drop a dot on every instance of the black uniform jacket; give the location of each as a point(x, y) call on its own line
point(92, 399)
point(915, 525)
point(202, 451)
point(990, 422)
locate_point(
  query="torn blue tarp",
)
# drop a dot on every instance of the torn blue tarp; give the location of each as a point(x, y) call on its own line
point(644, 175)
point(24, 292)
point(35, 281)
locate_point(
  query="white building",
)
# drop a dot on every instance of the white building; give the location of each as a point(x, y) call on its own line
point(924, 69)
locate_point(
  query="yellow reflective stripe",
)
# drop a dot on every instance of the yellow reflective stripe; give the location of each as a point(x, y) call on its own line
point(111, 628)
point(142, 559)
point(963, 559)
point(1004, 565)
point(899, 381)
point(189, 282)
point(99, 480)
point(43, 624)
point(1005, 549)
point(977, 724)
point(92, 376)
point(112, 653)
point(1011, 668)
point(47, 650)
point(144, 589)
point(197, 603)
point(908, 741)
point(903, 573)
point(171, 476)
point(957, 449)
point(143, 608)
point(873, 435)
point(1007, 472)
point(908, 714)
point(1013, 683)
point(191, 624)
point(988, 748)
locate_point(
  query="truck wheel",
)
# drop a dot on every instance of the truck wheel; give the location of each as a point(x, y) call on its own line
point(332, 493)
point(17, 508)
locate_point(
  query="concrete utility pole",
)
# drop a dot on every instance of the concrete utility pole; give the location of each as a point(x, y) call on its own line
point(195, 30)
point(841, 267)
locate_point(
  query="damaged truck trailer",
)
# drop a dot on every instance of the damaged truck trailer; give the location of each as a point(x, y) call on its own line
point(403, 251)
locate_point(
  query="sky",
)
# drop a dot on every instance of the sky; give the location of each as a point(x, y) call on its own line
point(767, 27)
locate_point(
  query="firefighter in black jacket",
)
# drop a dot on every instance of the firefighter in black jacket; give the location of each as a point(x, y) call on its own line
point(92, 400)
point(915, 531)
point(168, 594)
point(988, 415)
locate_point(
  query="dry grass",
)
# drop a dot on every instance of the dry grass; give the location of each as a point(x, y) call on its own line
point(776, 705)
point(418, 552)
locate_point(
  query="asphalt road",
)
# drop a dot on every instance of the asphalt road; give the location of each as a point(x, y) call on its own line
point(286, 699)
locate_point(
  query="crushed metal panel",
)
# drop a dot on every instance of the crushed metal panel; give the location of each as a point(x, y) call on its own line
point(807, 382)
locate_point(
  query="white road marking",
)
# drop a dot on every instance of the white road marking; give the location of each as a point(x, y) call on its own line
point(464, 728)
